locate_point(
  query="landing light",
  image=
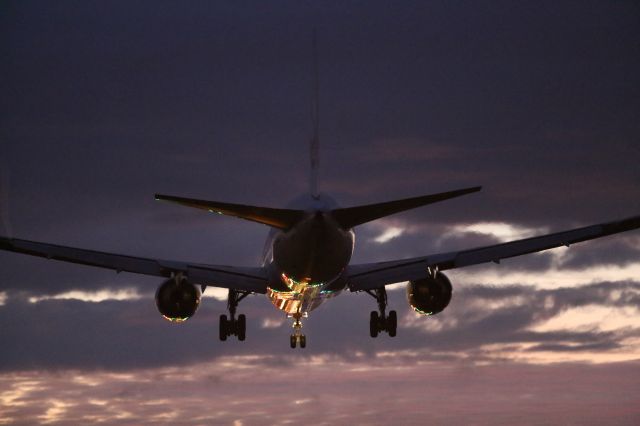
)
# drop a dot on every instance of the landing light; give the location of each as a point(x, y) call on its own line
point(422, 312)
point(293, 284)
point(282, 292)
point(175, 319)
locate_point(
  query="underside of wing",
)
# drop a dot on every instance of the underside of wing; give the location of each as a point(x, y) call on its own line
point(237, 278)
point(375, 275)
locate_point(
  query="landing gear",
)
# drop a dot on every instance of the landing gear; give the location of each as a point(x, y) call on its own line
point(392, 323)
point(297, 337)
point(379, 321)
point(230, 326)
point(374, 324)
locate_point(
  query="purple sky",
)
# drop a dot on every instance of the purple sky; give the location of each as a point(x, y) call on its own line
point(103, 104)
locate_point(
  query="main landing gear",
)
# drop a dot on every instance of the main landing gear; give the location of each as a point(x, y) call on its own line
point(297, 337)
point(379, 321)
point(232, 326)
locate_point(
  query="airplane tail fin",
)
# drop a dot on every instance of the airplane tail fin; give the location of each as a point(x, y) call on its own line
point(353, 216)
point(276, 218)
point(314, 150)
point(5, 222)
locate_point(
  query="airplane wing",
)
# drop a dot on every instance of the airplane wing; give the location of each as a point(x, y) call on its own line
point(375, 275)
point(237, 278)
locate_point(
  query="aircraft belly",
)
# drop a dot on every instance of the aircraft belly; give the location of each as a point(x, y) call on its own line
point(299, 302)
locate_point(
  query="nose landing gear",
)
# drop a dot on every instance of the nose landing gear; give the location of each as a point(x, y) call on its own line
point(297, 338)
point(379, 321)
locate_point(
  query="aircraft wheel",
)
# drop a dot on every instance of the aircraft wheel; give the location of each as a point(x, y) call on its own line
point(293, 341)
point(242, 327)
point(303, 341)
point(392, 323)
point(224, 327)
point(373, 324)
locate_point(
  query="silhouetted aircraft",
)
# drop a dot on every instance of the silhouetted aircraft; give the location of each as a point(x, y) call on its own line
point(306, 260)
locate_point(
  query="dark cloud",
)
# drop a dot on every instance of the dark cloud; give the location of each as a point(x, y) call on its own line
point(129, 335)
point(610, 251)
point(203, 100)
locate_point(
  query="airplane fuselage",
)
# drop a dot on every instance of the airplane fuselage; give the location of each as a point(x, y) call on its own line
point(306, 262)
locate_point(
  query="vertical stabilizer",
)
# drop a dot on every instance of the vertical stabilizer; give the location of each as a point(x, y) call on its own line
point(5, 223)
point(314, 149)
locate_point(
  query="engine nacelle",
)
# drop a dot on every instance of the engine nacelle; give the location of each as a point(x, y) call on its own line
point(177, 301)
point(429, 296)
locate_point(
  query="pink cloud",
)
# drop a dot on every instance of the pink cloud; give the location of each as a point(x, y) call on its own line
point(253, 390)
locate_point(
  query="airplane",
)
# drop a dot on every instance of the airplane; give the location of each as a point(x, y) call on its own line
point(306, 260)
point(307, 256)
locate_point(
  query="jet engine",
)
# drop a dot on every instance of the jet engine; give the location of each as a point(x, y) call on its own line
point(177, 299)
point(430, 295)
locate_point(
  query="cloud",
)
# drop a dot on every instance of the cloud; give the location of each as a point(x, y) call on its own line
point(255, 390)
point(501, 231)
point(622, 250)
point(388, 234)
point(538, 321)
point(554, 277)
point(482, 324)
point(91, 296)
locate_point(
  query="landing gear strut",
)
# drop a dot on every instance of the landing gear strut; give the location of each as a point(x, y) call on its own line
point(232, 326)
point(297, 337)
point(380, 321)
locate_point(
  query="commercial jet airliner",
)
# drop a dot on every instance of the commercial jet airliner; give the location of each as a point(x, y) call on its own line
point(306, 259)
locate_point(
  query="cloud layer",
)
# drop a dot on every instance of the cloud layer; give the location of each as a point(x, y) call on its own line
point(244, 391)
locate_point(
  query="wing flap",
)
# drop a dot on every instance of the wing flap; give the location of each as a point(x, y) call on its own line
point(375, 275)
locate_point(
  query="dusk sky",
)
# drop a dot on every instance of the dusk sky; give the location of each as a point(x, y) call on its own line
point(103, 104)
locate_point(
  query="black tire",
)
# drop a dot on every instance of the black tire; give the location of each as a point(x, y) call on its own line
point(293, 341)
point(373, 324)
point(224, 327)
point(303, 341)
point(392, 323)
point(242, 327)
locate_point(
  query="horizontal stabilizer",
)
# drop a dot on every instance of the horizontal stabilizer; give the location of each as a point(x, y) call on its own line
point(353, 216)
point(276, 218)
